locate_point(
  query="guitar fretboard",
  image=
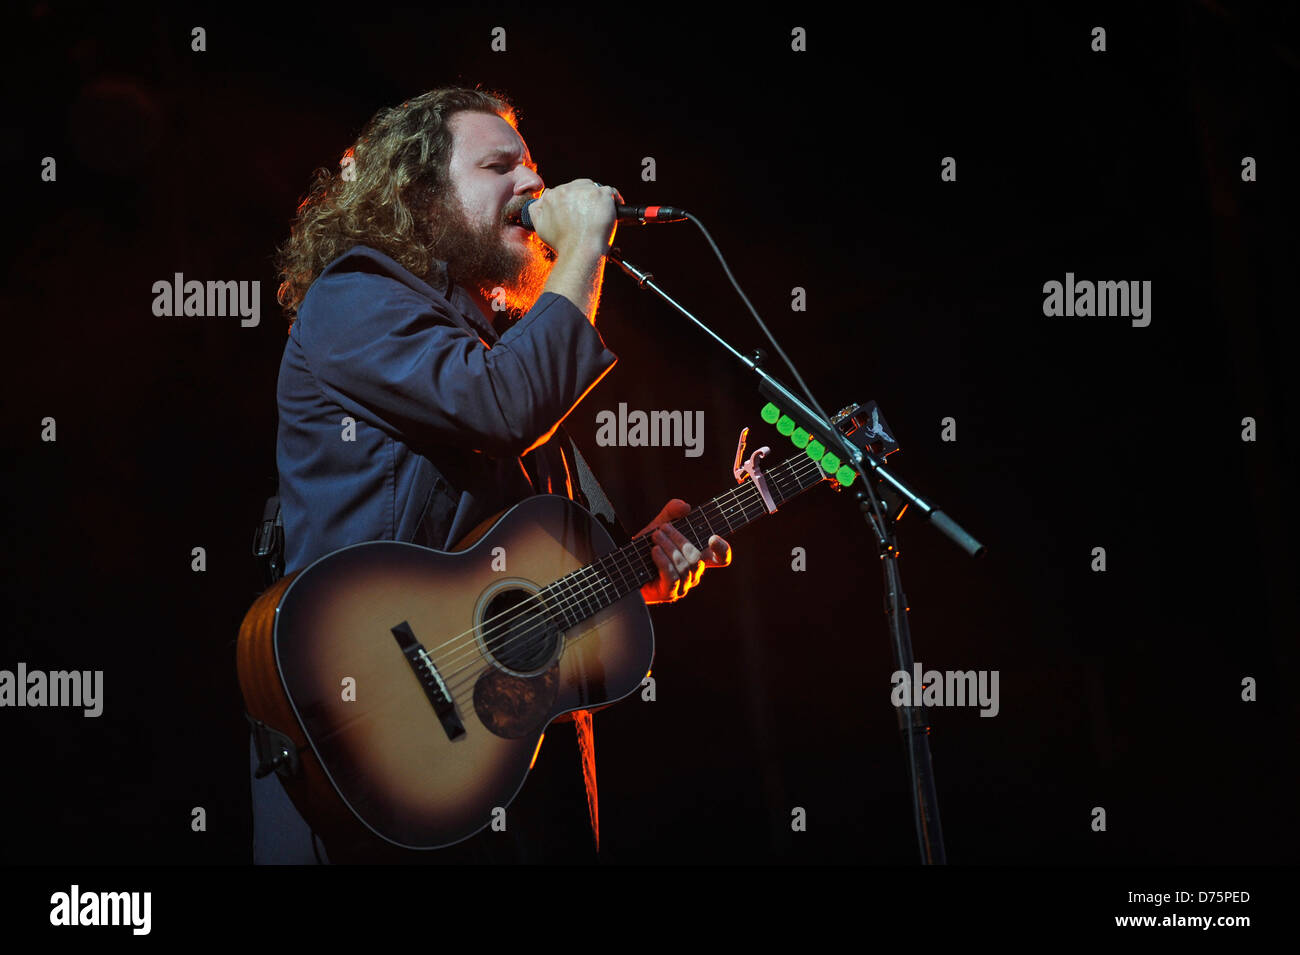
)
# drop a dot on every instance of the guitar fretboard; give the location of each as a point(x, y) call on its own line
point(608, 579)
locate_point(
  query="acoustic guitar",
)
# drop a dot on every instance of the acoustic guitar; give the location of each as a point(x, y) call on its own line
point(412, 686)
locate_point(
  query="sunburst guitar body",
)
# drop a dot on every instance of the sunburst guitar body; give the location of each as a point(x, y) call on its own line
point(414, 685)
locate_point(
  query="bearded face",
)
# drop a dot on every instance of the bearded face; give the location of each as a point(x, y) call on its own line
point(489, 253)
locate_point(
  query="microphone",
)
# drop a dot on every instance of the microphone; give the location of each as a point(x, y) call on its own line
point(641, 214)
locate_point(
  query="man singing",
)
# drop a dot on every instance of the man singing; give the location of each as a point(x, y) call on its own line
point(411, 406)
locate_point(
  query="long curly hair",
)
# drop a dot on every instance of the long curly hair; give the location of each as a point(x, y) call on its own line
point(384, 192)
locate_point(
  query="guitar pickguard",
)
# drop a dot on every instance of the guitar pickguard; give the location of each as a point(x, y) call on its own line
point(513, 707)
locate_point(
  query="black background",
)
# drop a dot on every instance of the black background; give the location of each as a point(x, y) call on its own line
point(817, 169)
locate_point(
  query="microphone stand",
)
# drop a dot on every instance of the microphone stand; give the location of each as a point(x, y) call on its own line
point(913, 723)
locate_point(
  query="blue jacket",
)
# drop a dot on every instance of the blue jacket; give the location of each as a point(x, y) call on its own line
point(447, 430)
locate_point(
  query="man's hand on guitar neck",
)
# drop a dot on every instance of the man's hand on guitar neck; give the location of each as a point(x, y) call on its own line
point(680, 563)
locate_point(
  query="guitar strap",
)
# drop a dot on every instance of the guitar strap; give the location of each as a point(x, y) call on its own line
point(268, 541)
point(599, 505)
point(597, 502)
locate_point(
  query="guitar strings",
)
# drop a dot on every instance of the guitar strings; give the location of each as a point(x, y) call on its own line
point(578, 597)
point(587, 581)
point(748, 491)
point(741, 498)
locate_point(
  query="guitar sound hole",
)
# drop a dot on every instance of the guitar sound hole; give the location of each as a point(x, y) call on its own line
point(517, 633)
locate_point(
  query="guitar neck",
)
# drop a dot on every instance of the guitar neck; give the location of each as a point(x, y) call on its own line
point(608, 579)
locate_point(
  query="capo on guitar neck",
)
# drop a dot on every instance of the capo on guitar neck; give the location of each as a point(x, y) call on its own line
point(753, 470)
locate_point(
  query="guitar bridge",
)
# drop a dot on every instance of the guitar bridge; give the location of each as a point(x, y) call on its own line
point(430, 680)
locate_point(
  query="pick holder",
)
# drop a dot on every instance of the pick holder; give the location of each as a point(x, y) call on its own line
point(860, 456)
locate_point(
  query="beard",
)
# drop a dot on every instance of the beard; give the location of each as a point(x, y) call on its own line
point(480, 256)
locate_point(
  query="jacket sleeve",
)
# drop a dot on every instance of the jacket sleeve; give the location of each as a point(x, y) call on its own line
point(392, 357)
